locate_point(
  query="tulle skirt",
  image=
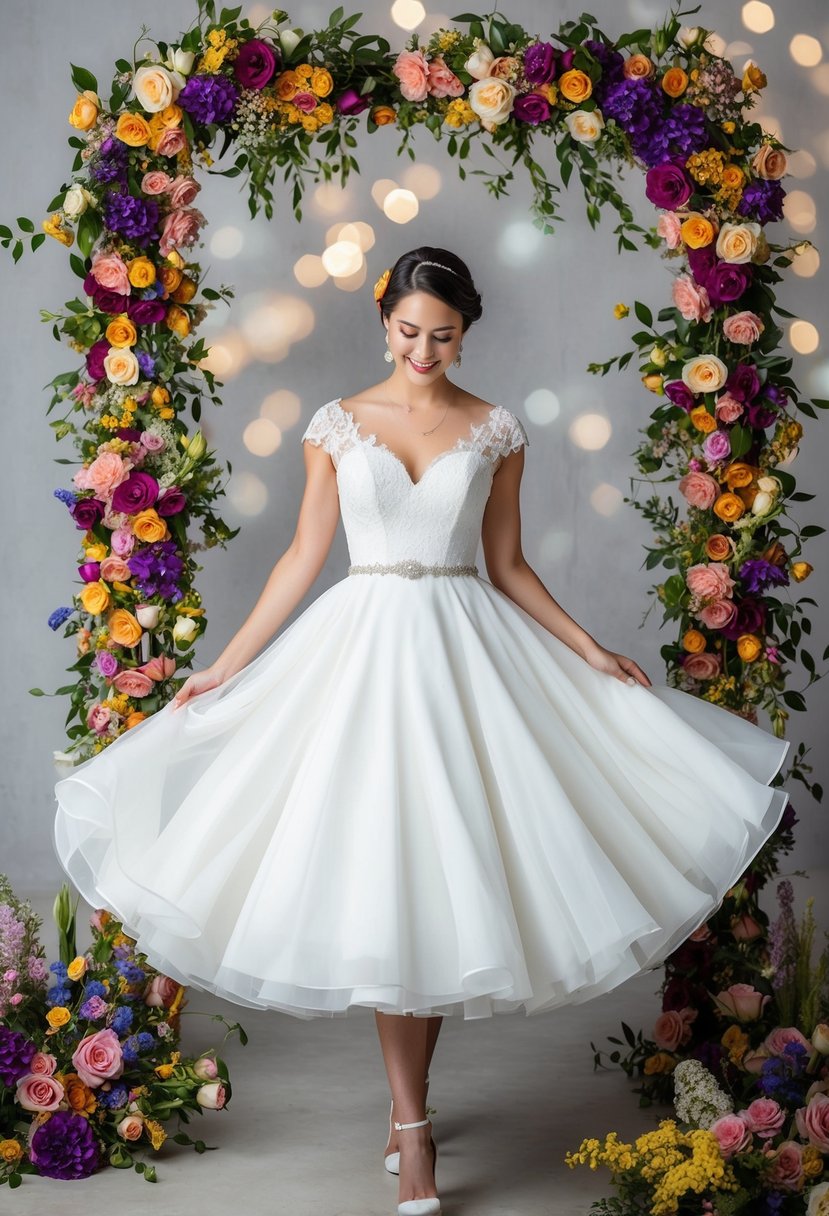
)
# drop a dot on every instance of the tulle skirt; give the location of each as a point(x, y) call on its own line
point(418, 799)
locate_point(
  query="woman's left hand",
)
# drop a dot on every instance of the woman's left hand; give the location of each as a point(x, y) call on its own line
point(617, 665)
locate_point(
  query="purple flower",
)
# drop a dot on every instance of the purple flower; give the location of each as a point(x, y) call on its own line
point(157, 569)
point(776, 394)
point(94, 1008)
point(210, 99)
point(136, 219)
point(679, 393)
point(683, 131)
point(95, 356)
point(255, 64)
point(111, 162)
point(531, 108)
point(612, 63)
point(565, 59)
point(540, 62)
point(87, 512)
point(727, 281)
point(16, 1053)
point(717, 446)
point(762, 200)
point(171, 502)
point(106, 662)
point(750, 618)
point(744, 382)
point(757, 574)
point(137, 492)
point(104, 298)
point(351, 102)
point(115, 1096)
point(635, 105)
point(146, 312)
point(90, 571)
point(758, 416)
point(667, 185)
point(65, 1146)
point(146, 362)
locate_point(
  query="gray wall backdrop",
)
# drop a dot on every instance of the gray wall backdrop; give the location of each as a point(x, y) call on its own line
point(548, 313)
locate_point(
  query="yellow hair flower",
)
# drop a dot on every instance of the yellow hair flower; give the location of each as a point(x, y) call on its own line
point(381, 285)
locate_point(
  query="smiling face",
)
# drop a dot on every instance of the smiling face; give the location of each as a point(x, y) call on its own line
point(424, 335)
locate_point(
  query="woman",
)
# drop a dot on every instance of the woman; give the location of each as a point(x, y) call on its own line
point(433, 793)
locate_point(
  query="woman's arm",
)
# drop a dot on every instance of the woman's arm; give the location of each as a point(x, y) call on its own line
point(510, 572)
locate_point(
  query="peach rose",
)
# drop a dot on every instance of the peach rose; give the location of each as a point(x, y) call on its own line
point(161, 991)
point(745, 928)
point(181, 227)
point(738, 243)
point(156, 182)
point(638, 67)
point(39, 1091)
point(675, 82)
point(133, 683)
point(672, 1029)
point(728, 408)
point(110, 270)
point(709, 581)
point(442, 81)
point(691, 299)
point(183, 190)
point(700, 489)
point(85, 111)
point(121, 366)
point(704, 373)
point(492, 100)
point(159, 667)
point(718, 547)
point(769, 162)
point(131, 1126)
point(124, 629)
point(764, 1117)
point(787, 1165)
point(105, 473)
point(743, 1003)
point(732, 1134)
point(743, 327)
point(98, 1058)
point(505, 67)
point(669, 227)
point(412, 70)
point(704, 666)
point(170, 142)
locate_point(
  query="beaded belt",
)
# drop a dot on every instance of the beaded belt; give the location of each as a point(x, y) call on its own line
point(411, 569)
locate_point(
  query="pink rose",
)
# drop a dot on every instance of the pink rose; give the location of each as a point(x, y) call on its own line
point(669, 227)
point(159, 667)
point(133, 683)
point(115, 569)
point(161, 991)
point(732, 1134)
point(442, 80)
point(153, 442)
point(39, 1091)
point(98, 717)
point(745, 928)
point(776, 1040)
point(43, 1063)
point(206, 1068)
point(743, 327)
point(110, 270)
point(180, 228)
point(701, 934)
point(787, 1166)
point(173, 141)
point(130, 1127)
point(183, 191)
point(412, 70)
point(672, 1028)
point(717, 615)
point(122, 542)
point(709, 581)
point(742, 1002)
point(813, 1122)
point(98, 1058)
point(700, 489)
point(754, 1060)
point(728, 408)
point(764, 1116)
point(211, 1095)
point(691, 299)
point(702, 666)
point(306, 102)
point(105, 473)
point(156, 182)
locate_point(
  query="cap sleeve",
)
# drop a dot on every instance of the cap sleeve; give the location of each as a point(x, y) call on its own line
point(506, 434)
point(331, 428)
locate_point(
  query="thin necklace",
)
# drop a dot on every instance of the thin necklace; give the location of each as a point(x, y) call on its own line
point(409, 408)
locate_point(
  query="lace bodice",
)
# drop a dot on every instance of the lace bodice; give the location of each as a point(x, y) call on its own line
point(387, 517)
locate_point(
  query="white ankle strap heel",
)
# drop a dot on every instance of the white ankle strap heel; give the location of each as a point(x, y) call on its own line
point(392, 1160)
point(418, 1207)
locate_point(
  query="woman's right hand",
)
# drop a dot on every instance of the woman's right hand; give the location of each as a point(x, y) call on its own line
point(199, 681)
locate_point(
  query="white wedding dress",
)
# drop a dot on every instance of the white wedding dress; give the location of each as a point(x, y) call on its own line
point(416, 798)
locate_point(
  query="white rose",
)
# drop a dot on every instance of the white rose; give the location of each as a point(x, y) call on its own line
point(121, 366)
point(76, 200)
point(738, 242)
point(147, 615)
point(210, 1095)
point(763, 502)
point(184, 629)
point(288, 40)
point(689, 35)
point(585, 126)
point(180, 61)
point(154, 87)
point(659, 356)
point(704, 373)
point(772, 485)
point(816, 1196)
point(820, 1038)
point(492, 99)
point(480, 61)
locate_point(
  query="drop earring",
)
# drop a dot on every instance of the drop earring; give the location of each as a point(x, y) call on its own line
point(388, 356)
point(458, 357)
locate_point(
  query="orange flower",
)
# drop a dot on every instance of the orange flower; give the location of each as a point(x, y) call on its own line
point(132, 129)
point(124, 629)
point(749, 646)
point(801, 570)
point(149, 526)
point(185, 291)
point(729, 507)
point(675, 82)
point(575, 85)
point(718, 547)
point(693, 641)
point(702, 420)
point(738, 473)
point(697, 231)
point(383, 115)
point(381, 285)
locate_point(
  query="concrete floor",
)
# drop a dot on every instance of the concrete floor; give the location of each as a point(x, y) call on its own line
point(305, 1130)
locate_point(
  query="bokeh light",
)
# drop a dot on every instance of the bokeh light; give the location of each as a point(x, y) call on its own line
point(382, 187)
point(401, 206)
point(309, 270)
point(806, 262)
point(407, 13)
point(261, 437)
point(758, 17)
point(331, 197)
point(343, 258)
point(226, 242)
point(541, 406)
point(804, 337)
point(424, 181)
point(805, 50)
point(606, 499)
point(227, 355)
point(799, 210)
point(283, 407)
point(247, 493)
point(520, 243)
point(590, 431)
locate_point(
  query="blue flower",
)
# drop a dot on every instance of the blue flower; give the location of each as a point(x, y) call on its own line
point(56, 618)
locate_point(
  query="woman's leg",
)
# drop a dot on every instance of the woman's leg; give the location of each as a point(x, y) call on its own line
point(407, 1043)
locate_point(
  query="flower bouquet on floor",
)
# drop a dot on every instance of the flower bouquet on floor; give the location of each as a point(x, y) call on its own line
point(89, 1066)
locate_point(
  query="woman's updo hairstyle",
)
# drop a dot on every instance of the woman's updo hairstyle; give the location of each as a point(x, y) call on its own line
point(450, 281)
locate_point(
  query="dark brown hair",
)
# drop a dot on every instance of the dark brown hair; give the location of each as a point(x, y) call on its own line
point(456, 289)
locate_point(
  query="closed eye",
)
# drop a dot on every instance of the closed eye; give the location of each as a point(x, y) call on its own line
point(405, 335)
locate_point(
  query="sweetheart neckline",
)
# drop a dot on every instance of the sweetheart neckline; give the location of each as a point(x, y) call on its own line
point(372, 440)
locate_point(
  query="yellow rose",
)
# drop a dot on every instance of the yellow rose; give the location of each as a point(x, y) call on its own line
point(10, 1151)
point(575, 85)
point(738, 242)
point(185, 291)
point(675, 82)
point(121, 332)
point(77, 967)
point(149, 526)
point(729, 507)
point(653, 382)
point(753, 79)
point(702, 420)
point(704, 373)
point(322, 82)
point(84, 113)
point(304, 71)
point(697, 231)
point(170, 276)
point(693, 641)
point(160, 395)
point(812, 1161)
point(325, 113)
point(170, 116)
point(620, 311)
point(381, 116)
point(492, 99)
point(738, 473)
point(175, 259)
point(141, 272)
point(177, 320)
point(79, 1096)
point(287, 85)
point(95, 597)
point(749, 647)
point(57, 1016)
point(133, 718)
point(660, 1062)
point(96, 553)
point(53, 227)
point(132, 129)
point(801, 570)
point(124, 629)
point(732, 177)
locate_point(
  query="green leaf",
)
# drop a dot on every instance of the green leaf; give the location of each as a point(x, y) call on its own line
point(77, 265)
point(82, 79)
point(25, 224)
point(465, 17)
point(643, 313)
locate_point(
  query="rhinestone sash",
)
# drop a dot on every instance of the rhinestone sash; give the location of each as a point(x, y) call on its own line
point(410, 568)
